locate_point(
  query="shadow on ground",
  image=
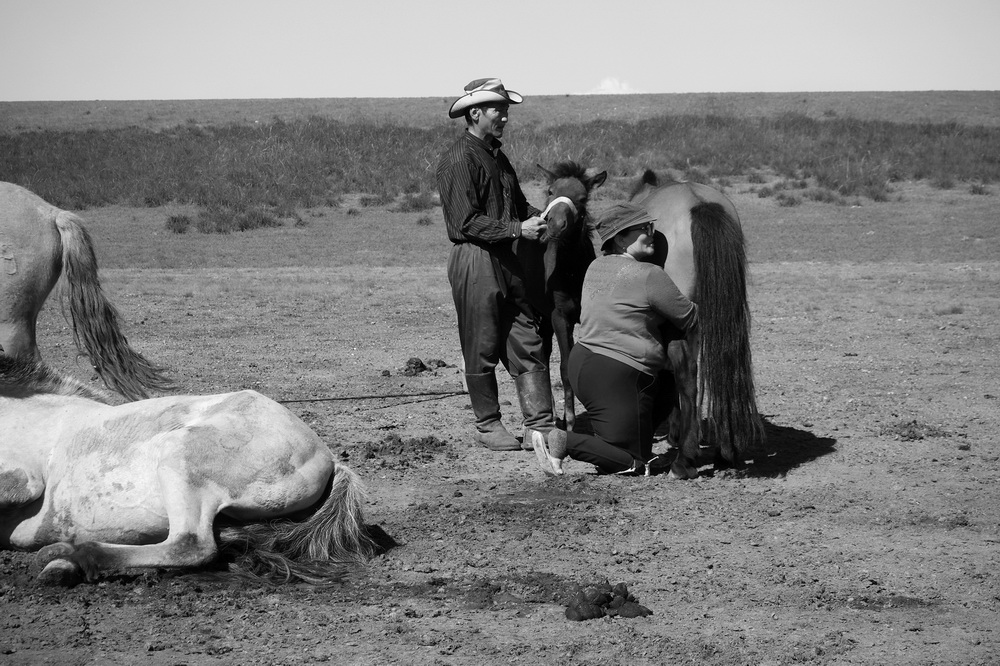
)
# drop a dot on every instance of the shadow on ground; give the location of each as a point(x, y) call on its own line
point(785, 449)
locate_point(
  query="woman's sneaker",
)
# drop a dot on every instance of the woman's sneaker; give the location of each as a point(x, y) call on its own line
point(550, 450)
point(638, 468)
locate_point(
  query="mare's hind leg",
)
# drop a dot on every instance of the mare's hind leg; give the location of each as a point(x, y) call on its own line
point(685, 424)
point(18, 339)
point(27, 277)
point(191, 511)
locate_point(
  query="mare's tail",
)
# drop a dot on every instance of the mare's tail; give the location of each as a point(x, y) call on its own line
point(94, 319)
point(319, 548)
point(725, 372)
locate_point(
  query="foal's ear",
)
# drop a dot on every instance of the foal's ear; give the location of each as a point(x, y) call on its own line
point(549, 176)
point(597, 180)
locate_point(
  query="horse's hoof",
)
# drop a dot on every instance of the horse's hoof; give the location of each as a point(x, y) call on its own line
point(722, 462)
point(61, 573)
point(54, 551)
point(682, 472)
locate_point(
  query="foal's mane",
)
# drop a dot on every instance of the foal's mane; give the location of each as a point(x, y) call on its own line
point(22, 378)
point(569, 169)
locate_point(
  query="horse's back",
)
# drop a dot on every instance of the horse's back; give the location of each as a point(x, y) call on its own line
point(239, 442)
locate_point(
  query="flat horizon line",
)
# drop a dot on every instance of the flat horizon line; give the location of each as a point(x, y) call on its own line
point(527, 96)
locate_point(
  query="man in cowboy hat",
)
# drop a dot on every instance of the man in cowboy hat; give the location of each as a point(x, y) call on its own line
point(486, 213)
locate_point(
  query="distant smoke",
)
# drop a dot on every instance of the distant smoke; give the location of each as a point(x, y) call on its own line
point(612, 86)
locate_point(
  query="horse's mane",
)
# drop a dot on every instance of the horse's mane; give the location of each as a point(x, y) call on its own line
point(649, 181)
point(22, 377)
point(569, 169)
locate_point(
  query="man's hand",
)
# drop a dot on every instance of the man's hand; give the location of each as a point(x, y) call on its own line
point(532, 228)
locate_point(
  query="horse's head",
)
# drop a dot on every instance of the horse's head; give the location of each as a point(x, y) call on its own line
point(568, 248)
point(569, 186)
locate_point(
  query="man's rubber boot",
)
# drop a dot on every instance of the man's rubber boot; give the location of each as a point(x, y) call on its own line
point(483, 394)
point(534, 392)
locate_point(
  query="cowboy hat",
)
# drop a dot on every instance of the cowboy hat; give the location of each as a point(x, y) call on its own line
point(483, 91)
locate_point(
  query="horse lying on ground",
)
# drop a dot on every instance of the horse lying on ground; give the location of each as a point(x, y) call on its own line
point(700, 244)
point(555, 280)
point(169, 482)
point(37, 243)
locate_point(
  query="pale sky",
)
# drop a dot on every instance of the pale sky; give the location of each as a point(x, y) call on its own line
point(236, 49)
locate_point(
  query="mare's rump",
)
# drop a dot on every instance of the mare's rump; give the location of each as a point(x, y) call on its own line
point(706, 258)
point(38, 243)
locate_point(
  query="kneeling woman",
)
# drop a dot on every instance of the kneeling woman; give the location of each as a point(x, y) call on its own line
point(620, 350)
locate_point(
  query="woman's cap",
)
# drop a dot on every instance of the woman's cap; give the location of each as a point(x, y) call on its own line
point(483, 91)
point(619, 218)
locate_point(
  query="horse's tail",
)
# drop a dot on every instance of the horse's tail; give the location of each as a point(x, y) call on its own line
point(318, 547)
point(94, 319)
point(725, 373)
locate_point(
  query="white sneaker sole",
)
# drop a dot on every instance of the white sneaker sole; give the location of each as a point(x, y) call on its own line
point(549, 464)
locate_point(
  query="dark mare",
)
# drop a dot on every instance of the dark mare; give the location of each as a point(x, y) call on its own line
point(38, 242)
point(700, 244)
point(556, 278)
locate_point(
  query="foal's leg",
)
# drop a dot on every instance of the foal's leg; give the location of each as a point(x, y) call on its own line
point(191, 511)
point(685, 425)
point(563, 329)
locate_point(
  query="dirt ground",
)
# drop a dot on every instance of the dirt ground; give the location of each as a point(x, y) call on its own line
point(864, 532)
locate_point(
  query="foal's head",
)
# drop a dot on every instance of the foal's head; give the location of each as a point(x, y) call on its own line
point(569, 186)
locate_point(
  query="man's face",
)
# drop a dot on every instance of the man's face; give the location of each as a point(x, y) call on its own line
point(491, 119)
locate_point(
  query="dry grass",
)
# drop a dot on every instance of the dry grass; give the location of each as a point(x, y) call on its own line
point(962, 107)
point(926, 225)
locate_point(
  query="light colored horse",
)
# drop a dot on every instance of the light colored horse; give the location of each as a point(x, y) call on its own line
point(555, 279)
point(37, 243)
point(169, 482)
point(700, 244)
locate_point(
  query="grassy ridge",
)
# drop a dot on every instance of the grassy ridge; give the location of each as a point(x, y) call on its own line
point(962, 107)
point(284, 165)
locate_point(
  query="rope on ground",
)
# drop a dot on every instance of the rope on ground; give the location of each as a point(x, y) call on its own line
point(430, 395)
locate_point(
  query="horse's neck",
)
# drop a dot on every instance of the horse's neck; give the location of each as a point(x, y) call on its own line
point(579, 252)
point(585, 245)
point(21, 379)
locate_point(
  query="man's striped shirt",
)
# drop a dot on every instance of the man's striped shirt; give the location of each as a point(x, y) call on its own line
point(480, 194)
